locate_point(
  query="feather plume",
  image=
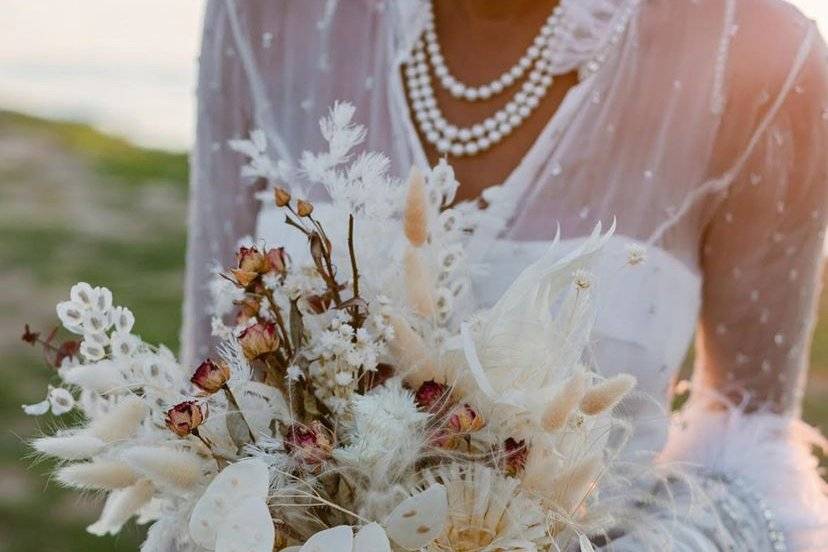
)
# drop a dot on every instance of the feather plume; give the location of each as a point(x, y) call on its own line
point(566, 400)
point(70, 447)
point(120, 506)
point(122, 422)
point(167, 466)
point(605, 395)
point(418, 283)
point(415, 218)
point(98, 475)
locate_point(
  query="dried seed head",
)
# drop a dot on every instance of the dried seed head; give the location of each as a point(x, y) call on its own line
point(415, 220)
point(281, 196)
point(606, 394)
point(304, 208)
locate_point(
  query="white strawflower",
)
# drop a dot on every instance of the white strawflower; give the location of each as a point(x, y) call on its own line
point(386, 430)
point(636, 254)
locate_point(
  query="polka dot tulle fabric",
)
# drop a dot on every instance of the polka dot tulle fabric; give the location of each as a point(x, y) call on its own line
point(703, 133)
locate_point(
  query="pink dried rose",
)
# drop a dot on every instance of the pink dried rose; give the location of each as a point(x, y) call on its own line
point(461, 421)
point(248, 308)
point(464, 419)
point(184, 418)
point(259, 339)
point(211, 376)
point(310, 444)
point(514, 456)
point(276, 260)
point(252, 263)
point(431, 396)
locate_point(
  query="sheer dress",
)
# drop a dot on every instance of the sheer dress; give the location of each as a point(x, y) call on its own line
point(703, 132)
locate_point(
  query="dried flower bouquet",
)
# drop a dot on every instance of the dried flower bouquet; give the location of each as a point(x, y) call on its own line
point(357, 400)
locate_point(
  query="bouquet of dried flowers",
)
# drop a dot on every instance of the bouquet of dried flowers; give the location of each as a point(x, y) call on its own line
point(357, 401)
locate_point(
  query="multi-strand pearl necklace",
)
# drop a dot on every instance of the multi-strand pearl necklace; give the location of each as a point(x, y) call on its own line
point(538, 61)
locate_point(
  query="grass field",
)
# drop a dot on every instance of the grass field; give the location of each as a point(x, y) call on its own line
point(78, 205)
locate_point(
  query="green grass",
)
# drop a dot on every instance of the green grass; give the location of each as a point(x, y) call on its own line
point(46, 247)
point(78, 205)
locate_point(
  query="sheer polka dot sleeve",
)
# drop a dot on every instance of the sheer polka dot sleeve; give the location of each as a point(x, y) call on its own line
point(762, 252)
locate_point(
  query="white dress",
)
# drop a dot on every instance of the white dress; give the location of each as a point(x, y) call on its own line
point(703, 133)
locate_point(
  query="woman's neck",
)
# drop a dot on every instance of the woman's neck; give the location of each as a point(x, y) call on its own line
point(499, 9)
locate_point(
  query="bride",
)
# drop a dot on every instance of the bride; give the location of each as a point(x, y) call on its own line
point(700, 125)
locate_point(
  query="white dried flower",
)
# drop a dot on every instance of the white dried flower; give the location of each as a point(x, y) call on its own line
point(58, 400)
point(636, 254)
point(583, 278)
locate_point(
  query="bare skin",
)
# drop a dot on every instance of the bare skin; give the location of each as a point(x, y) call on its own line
point(480, 39)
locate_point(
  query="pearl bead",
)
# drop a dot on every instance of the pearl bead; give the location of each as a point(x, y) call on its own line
point(537, 66)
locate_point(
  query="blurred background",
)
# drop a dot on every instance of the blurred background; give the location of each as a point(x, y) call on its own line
point(96, 114)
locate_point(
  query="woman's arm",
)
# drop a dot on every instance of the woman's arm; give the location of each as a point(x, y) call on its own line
point(762, 256)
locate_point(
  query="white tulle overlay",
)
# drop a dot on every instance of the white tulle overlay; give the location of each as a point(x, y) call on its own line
point(703, 134)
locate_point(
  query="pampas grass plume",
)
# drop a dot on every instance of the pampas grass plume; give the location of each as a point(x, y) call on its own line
point(165, 466)
point(121, 422)
point(101, 377)
point(71, 447)
point(565, 401)
point(411, 350)
point(415, 218)
point(98, 475)
point(607, 394)
point(120, 506)
point(418, 284)
point(570, 488)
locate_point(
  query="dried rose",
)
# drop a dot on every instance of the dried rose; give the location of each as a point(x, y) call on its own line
point(281, 196)
point(431, 396)
point(304, 208)
point(211, 376)
point(259, 339)
point(250, 264)
point(514, 457)
point(310, 444)
point(277, 260)
point(248, 308)
point(184, 418)
point(465, 419)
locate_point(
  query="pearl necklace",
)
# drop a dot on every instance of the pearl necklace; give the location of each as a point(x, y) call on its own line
point(457, 141)
point(542, 61)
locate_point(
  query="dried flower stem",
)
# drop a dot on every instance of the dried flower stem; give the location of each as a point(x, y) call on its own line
point(233, 403)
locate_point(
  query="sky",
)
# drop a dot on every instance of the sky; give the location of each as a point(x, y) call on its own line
point(124, 66)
